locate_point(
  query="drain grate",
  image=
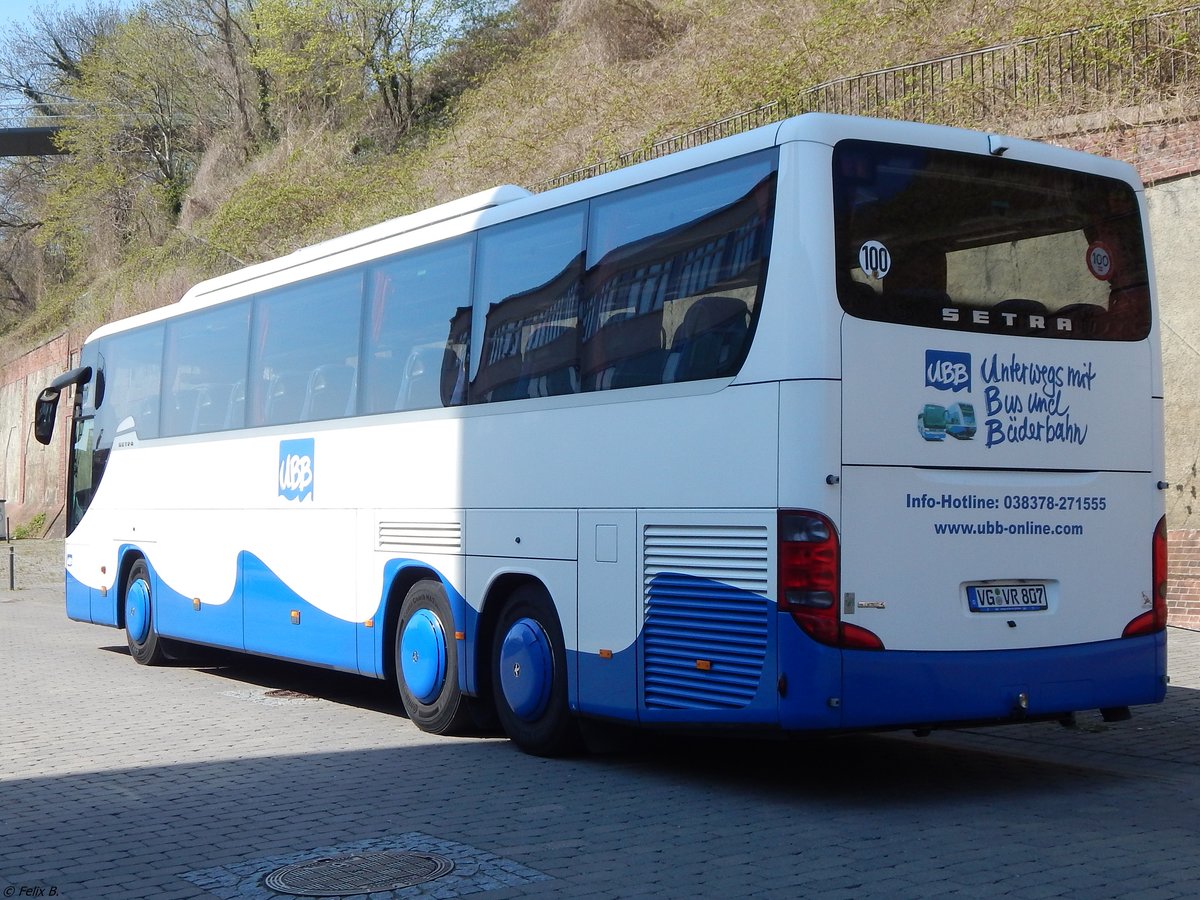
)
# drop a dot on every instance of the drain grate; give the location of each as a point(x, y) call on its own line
point(358, 873)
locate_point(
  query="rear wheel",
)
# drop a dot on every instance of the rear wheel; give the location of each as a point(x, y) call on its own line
point(145, 646)
point(427, 661)
point(529, 675)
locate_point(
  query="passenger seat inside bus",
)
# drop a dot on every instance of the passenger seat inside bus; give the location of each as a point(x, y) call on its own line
point(329, 394)
point(631, 349)
point(180, 416)
point(235, 413)
point(284, 400)
point(421, 384)
point(550, 366)
point(212, 404)
point(709, 340)
point(915, 284)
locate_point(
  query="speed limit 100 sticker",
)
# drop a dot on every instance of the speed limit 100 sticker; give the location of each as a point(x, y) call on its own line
point(874, 259)
point(1100, 261)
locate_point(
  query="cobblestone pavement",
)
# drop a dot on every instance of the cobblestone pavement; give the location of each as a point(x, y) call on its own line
point(201, 778)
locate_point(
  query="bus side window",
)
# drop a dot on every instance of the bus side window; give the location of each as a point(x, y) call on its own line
point(133, 374)
point(205, 357)
point(528, 289)
point(303, 333)
point(415, 303)
point(676, 269)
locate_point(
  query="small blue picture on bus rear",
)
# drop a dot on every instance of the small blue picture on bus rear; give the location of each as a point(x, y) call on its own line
point(960, 421)
point(931, 422)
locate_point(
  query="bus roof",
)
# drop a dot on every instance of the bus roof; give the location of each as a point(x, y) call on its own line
point(390, 228)
point(507, 201)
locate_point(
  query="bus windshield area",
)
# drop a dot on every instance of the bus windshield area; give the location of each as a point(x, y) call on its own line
point(975, 243)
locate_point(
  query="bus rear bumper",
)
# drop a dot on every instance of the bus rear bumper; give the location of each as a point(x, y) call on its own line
point(902, 688)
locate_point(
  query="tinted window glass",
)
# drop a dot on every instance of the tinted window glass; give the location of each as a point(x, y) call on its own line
point(121, 398)
point(676, 270)
point(204, 376)
point(528, 285)
point(305, 352)
point(124, 390)
point(416, 347)
point(955, 240)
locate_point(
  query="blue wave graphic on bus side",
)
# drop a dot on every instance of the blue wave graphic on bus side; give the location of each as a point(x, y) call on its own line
point(780, 676)
point(257, 617)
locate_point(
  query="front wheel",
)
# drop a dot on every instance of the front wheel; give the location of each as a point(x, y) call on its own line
point(427, 661)
point(145, 646)
point(529, 675)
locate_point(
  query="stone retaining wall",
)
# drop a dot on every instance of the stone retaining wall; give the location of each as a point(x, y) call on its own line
point(32, 477)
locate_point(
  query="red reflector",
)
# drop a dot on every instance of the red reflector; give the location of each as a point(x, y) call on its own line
point(856, 638)
point(1143, 624)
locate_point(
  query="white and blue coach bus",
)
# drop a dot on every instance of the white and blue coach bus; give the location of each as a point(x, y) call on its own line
point(836, 424)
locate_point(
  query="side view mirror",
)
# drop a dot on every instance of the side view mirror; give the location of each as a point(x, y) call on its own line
point(47, 402)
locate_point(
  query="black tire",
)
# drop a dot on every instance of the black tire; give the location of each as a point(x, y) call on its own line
point(444, 712)
point(548, 729)
point(141, 631)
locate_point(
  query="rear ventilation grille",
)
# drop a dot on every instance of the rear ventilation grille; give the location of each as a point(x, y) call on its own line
point(707, 615)
point(420, 537)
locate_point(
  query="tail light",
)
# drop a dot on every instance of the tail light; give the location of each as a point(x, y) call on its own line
point(809, 580)
point(1155, 620)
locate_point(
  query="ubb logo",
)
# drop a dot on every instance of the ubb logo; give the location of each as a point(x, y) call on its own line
point(947, 370)
point(296, 469)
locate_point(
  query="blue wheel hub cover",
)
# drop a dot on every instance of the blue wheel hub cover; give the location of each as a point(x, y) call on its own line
point(137, 611)
point(526, 669)
point(423, 655)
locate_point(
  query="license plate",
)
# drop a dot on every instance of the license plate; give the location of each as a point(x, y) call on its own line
point(1006, 597)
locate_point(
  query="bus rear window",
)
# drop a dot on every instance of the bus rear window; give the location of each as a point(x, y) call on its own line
point(975, 243)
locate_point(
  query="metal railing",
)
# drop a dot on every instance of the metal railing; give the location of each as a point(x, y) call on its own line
point(1141, 61)
point(18, 115)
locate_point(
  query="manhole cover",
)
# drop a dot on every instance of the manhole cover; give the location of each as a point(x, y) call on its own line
point(358, 873)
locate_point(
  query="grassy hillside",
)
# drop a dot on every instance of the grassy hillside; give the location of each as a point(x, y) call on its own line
point(596, 77)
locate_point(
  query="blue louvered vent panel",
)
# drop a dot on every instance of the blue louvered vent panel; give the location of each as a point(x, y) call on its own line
point(706, 615)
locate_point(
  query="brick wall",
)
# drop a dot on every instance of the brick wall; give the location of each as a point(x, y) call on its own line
point(1183, 578)
point(1159, 150)
point(32, 477)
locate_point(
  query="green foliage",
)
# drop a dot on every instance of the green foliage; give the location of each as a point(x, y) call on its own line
point(312, 194)
point(132, 147)
point(306, 56)
point(1035, 18)
point(31, 529)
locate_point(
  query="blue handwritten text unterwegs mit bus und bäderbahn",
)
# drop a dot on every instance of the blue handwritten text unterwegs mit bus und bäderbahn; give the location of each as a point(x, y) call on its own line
point(1026, 401)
